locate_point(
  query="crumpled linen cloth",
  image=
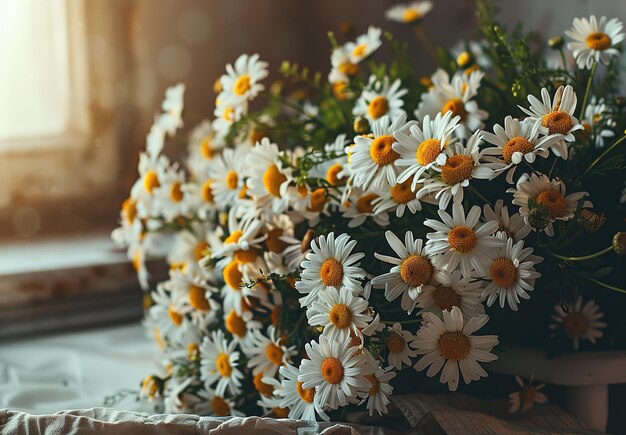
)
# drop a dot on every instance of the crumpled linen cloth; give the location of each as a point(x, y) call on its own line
point(114, 422)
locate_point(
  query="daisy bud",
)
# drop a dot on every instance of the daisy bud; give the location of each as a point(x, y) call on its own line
point(590, 221)
point(425, 81)
point(619, 243)
point(151, 387)
point(361, 125)
point(538, 218)
point(217, 86)
point(556, 42)
point(464, 59)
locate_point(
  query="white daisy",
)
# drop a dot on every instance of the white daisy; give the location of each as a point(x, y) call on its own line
point(511, 274)
point(330, 264)
point(399, 197)
point(524, 399)
point(171, 119)
point(451, 289)
point(514, 143)
point(409, 13)
point(397, 344)
point(266, 354)
point(170, 198)
point(460, 240)
point(377, 395)
point(411, 273)
point(555, 116)
point(300, 401)
point(219, 362)
point(297, 249)
point(191, 246)
point(514, 226)
point(548, 200)
point(359, 206)
point(339, 312)
point(580, 322)
point(202, 148)
point(227, 112)
point(241, 326)
point(342, 66)
point(594, 40)
point(379, 98)
point(152, 171)
point(451, 342)
point(243, 242)
point(215, 404)
point(364, 45)
point(242, 81)
point(228, 175)
point(333, 369)
point(169, 316)
point(595, 122)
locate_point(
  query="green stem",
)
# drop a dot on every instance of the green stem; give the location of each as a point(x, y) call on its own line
point(586, 97)
point(552, 167)
point(605, 285)
point(402, 322)
point(584, 257)
point(425, 42)
point(480, 195)
point(563, 61)
point(608, 150)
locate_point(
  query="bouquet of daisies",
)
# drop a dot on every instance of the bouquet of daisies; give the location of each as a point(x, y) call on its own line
point(325, 234)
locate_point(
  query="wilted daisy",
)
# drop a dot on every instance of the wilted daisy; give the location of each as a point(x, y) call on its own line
point(555, 116)
point(339, 312)
point(596, 122)
point(359, 206)
point(579, 322)
point(409, 13)
point(594, 40)
point(330, 264)
point(549, 199)
point(364, 45)
point(334, 370)
point(511, 274)
point(411, 273)
point(171, 118)
point(460, 241)
point(423, 148)
point(372, 159)
point(266, 353)
point(380, 98)
point(514, 143)
point(451, 345)
point(242, 81)
point(524, 399)
point(219, 362)
point(514, 226)
point(449, 290)
point(228, 175)
point(379, 391)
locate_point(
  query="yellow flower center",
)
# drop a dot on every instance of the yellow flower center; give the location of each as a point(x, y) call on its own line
point(220, 406)
point(381, 150)
point(206, 148)
point(364, 203)
point(242, 85)
point(553, 202)
point(232, 275)
point(281, 412)
point(273, 241)
point(416, 270)
point(411, 15)
point(332, 370)
point(445, 298)
point(332, 175)
point(395, 342)
point(151, 181)
point(235, 324)
point(463, 59)
point(428, 151)
point(175, 317)
point(340, 315)
point(232, 180)
point(375, 388)
point(273, 179)
point(306, 394)
point(176, 194)
point(378, 107)
point(575, 324)
point(207, 191)
point(318, 200)
point(229, 114)
point(193, 351)
point(454, 345)
point(402, 193)
point(199, 250)
point(598, 41)
point(274, 353)
point(456, 106)
point(503, 272)
point(129, 210)
point(462, 239)
point(557, 121)
point(339, 90)
point(516, 145)
point(234, 237)
point(262, 387)
point(331, 273)
point(198, 299)
point(349, 68)
point(359, 50)
point(222, 363)
point(457, 169)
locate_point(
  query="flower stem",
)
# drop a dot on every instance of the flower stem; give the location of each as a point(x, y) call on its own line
point(586, 97)
point(605, 285)
point(480, 195)
point(402, 322)
point(425, 42)
point(584, 257)
point(608, 150)
point(564, 62)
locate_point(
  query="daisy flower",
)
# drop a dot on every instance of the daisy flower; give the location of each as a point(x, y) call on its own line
point(203, 147)
point(331, 264)
point(275, 229)
point(451, 290)
point(242, 81)
point(511, 274)
point(397, 342)
point(398, 198)
point(461, 165)
point(228, 175)
point(191, 246)
point(409, 13)
point(411, 273)
point(451, 345)
point(595, 121)
point(198, 296)
point(171, 118)
point(168, 314)
point(342, 66)
point(339, 312)
point(266, 354)
point(372, 159)
point(514, 226)
point(423, 148)
point(461, 241)
point(379, 98)
point(241, 326)
point(359, 206)
point(219, 362)
point(555, 116)
point(333, 369)
point(364, 45)
point(243, 242)
point(300, 401)
point(215, 404)
point(524, 399)
point(549, 198)
point(152, 169)
point(580, 322)
point(516, 142)
point(377, 395)
point(594, 40)
point(170, 198)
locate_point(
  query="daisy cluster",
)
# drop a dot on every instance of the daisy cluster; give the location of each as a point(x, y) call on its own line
point(366, 225)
